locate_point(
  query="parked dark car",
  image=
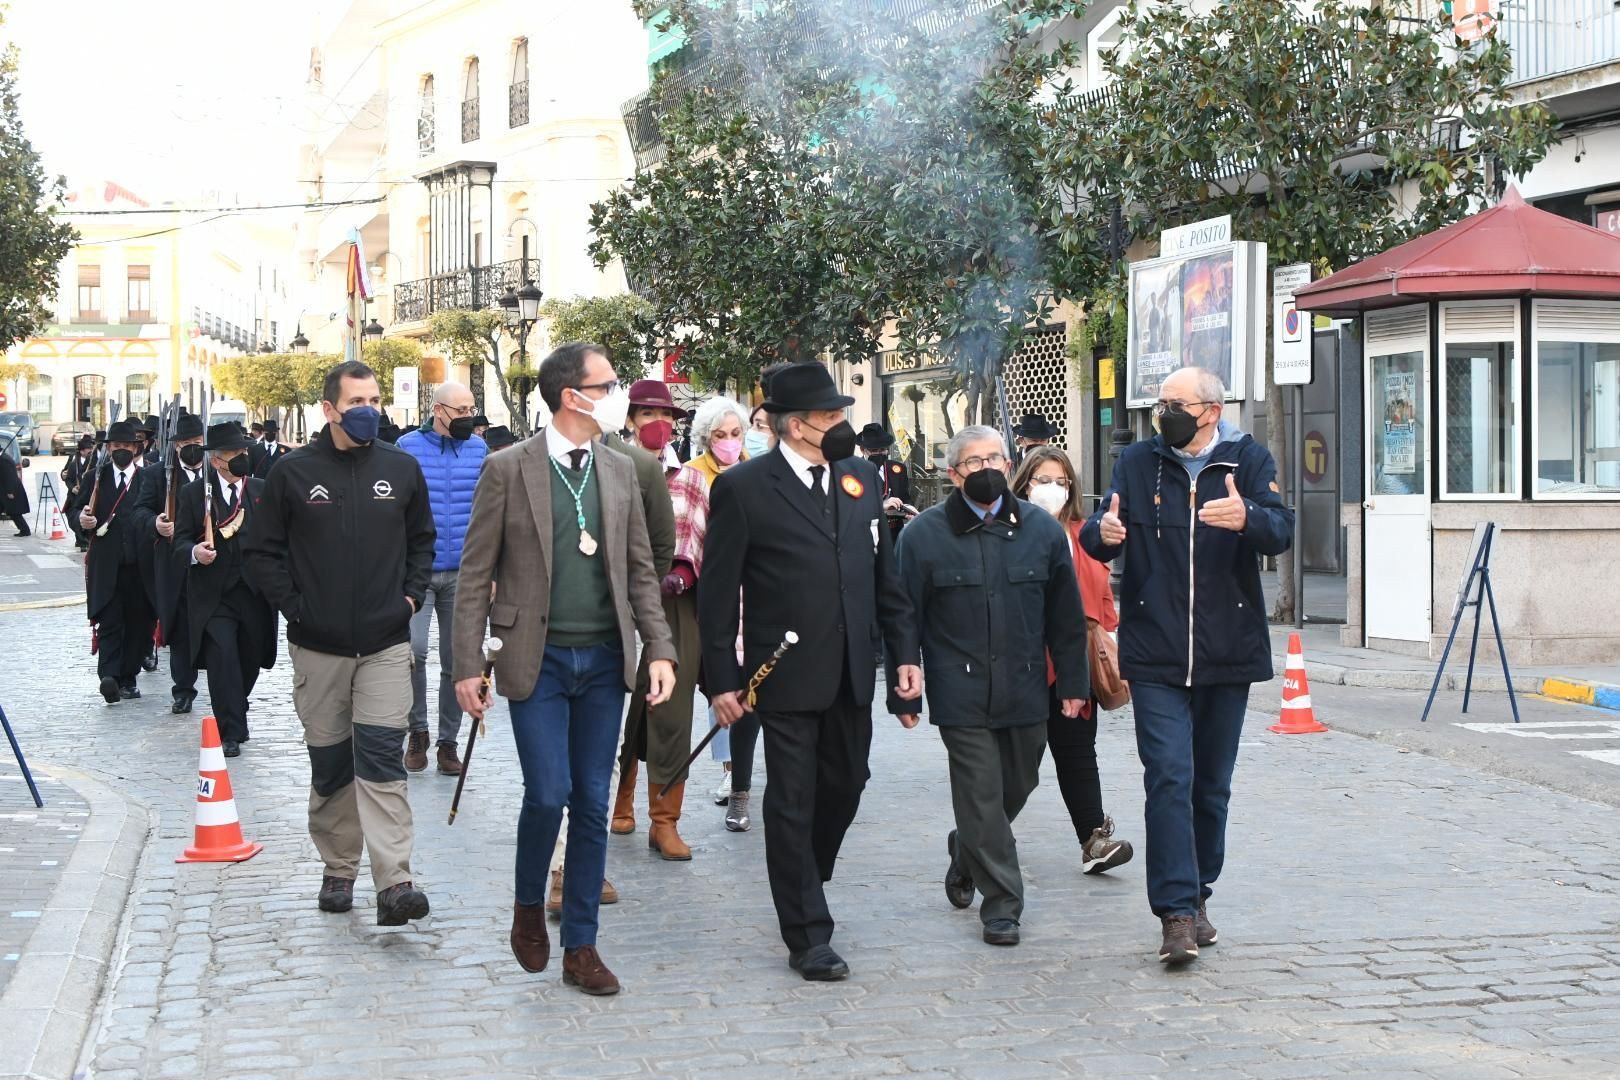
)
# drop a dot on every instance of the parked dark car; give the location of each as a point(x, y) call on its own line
point(21, 425)
point(66, 439)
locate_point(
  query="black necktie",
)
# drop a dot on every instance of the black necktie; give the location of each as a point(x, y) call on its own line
point(578, 457)
point(815, 486)
point(120, 482)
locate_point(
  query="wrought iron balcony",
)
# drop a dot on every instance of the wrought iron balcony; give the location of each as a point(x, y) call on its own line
point(517, 104)
point(472, 289)
point(1558, 37)
point(469, 120)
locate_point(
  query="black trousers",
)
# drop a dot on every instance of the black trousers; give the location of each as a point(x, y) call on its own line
point(1074, 755)
point(182, 668)
point(126, 628)
point(19, 519)
point(744, 739)
point(232, 673)
point(818, 764)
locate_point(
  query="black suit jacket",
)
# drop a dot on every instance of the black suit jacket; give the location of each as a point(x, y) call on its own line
point(164, 587)
point(829, 578)
point(207, 587)
point(263, 455)
point(118, 551)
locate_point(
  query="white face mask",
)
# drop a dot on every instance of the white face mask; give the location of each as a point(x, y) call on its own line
point(611, 412)
point(1049, 497)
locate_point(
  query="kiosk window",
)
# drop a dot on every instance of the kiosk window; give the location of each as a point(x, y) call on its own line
point(1577, 418)
point(1480, 435)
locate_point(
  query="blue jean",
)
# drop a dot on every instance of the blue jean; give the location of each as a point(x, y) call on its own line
point(1187, 739)
point(567, 734)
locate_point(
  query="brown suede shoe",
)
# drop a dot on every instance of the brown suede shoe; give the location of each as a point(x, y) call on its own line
point(449, 764)
point(554, 897)
point(583, 967)
point(610, 895)
point(416, 751)
point(531, 944)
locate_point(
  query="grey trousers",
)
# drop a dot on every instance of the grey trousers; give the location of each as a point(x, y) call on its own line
point(354, 712)
point(440, 600)
point(993, 771)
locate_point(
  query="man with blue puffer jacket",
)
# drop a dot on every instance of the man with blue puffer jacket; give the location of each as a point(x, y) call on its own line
point(451, 457)
point(1194, 508)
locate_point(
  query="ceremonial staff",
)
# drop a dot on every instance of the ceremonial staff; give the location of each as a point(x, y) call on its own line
point(789, 640)
point(490, 650)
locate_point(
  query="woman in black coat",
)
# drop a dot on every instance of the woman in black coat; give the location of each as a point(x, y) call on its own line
point(13, 492)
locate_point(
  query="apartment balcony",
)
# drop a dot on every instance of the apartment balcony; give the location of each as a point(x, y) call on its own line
point(1569, 40)
point(472, 289)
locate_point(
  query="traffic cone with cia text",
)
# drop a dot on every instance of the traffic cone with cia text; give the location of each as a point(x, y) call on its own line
point(219, 832)
point(1297, 716)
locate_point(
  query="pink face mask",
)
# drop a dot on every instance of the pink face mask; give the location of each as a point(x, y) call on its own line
point(726, 451)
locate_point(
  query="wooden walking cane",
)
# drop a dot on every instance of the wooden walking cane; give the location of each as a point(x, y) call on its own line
point(490, 650)
point(789, 640)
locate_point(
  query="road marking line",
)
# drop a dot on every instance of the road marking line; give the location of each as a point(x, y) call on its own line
point(1611, 757)
point(1544, 729)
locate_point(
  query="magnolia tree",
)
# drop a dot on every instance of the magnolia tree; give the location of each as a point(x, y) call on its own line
point(1328, 134)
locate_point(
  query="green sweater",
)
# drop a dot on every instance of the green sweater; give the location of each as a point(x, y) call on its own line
point(582, 612)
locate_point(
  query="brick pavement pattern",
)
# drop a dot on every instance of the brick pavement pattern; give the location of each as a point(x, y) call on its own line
point(35, 843)
point(1382, 913)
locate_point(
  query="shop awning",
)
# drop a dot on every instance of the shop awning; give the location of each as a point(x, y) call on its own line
point(1512, 249)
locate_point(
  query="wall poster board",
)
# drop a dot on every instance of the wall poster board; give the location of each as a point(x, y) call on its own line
point(1196, 310)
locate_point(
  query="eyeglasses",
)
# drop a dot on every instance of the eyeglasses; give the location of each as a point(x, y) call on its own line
point(465, 410)
point(610, 387)
point(1037, 481)
point(1162, 407)
point(974, 464)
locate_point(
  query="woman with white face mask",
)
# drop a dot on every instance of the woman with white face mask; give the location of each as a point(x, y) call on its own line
point(662, 736)
point(1046, 478)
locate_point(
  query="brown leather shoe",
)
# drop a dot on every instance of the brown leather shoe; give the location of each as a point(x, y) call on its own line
point(663, 837)
point(610, 895)
point(449, 764)
point(416, 748)
point(531, 944)
point(624, 803)
point(583, 967)
point(554, 897)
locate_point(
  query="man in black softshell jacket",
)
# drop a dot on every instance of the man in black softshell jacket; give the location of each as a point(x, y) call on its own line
point(342, 545)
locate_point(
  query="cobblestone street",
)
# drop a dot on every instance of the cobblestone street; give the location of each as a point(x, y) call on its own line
point(1382, 913)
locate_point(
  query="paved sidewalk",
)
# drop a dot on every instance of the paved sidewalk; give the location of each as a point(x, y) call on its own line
point(35, 843)
point(1381, 912)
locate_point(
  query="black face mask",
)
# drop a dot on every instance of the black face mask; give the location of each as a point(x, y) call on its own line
point(240, 466)
point(191, 455)
point(1178, 428)
point(985, 486)
point(122, 458)
point(461, 428)
point(838, 442)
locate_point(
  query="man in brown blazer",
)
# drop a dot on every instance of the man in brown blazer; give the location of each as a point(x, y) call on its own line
point(558, 527)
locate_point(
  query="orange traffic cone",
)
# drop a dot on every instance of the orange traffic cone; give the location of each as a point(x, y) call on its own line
point(1297, 717)
point(219, 832)
point(58, 527)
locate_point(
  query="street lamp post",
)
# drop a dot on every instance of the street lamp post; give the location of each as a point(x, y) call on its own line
point(520, 310)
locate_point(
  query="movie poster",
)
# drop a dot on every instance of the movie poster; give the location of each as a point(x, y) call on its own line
point(1156, 324)
point(1400, 423)
point(1207, 315)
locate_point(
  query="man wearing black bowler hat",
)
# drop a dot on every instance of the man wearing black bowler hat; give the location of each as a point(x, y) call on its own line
point(875, 442)
point(1033, 430)
point(791, 529)
point(166, 583)
point(268, 452)
point(115, 598)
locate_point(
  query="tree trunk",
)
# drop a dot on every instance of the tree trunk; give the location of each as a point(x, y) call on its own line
point(514, 406)
point(1278, 443)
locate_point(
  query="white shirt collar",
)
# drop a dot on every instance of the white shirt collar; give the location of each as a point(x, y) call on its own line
point(560, 446)
point(129, 473)
point(800, 465)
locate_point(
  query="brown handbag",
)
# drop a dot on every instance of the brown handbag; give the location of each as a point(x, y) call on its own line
point(1107, 685)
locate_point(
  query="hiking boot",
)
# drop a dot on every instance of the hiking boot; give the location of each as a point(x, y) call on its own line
point(449, 764)
point(958, 883)
point(337, 893)
point(1180, 939)
point(1206, 932)
point(1102, 851)
point(583, 967)
point(416, 751)
point(737, 812)
point(554, 897)
point(531, 944)
point(399, 904)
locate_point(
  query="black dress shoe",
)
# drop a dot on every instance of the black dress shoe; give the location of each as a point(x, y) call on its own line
point(1001, 932)
point(231, 748)
point(183, 700)
point(110, 690)
point(129, 693)
point(819, 963)
point(958, 882)
point(150, 663)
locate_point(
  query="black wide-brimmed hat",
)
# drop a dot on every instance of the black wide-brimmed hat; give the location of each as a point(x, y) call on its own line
point(149, 425)
point(874, 437)
point(87, 442)
point(270, 426)
point(227, 435)
point(1035, 426)
point(499, 436)
point(121, 431)
point(804, 388)
point(188, 426)
point(481, 421)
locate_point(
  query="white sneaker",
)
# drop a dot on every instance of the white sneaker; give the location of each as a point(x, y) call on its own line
point(722, 794)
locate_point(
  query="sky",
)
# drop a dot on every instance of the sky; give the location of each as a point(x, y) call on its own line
point(200, 103)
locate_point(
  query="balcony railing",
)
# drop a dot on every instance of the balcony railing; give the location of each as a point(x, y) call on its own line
point(517, 104)
point(471, 289)
point(1555, 37)
point(424, 133)
point(469, 120)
